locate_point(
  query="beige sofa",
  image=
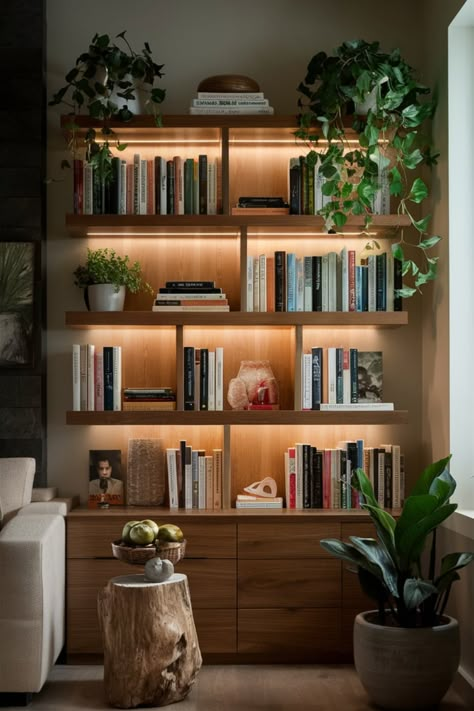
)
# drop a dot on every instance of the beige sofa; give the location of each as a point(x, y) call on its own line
point(32, 588)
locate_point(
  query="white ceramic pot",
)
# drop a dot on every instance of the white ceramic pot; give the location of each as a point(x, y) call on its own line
point(404, 668)
point(104, 297)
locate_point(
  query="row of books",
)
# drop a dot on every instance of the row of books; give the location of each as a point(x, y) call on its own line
point(161, 186)
point(309, 189)
point(336, 281)
point(194, 477)
point(345, 377)
point(321, 478)
point(96, 377)
point(190, 296)
point(208, 102)
point(203, 378)
point(151, 398)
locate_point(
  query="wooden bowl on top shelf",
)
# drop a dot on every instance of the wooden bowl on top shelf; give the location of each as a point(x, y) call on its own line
point(224, 83)
point(139, 555)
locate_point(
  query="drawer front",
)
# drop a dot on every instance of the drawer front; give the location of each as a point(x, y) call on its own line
point(212, 583)
point(216, 630)
point(91, 538)
point(298, 539)
point(289, 632)
point(289, 583)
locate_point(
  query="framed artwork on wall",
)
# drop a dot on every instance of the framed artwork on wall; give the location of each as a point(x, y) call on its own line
point(17, 278)
point(105, 478)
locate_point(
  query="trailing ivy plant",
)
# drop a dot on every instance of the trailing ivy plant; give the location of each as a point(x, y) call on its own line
point(102, 82)
point(391, 142)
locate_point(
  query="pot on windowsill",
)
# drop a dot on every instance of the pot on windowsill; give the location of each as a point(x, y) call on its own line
point(105, 297)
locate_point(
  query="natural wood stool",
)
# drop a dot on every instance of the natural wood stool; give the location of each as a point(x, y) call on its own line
point(151, 650)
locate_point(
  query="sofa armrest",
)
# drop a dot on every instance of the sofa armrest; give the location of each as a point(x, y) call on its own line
point(32, 561)
point(60, 507)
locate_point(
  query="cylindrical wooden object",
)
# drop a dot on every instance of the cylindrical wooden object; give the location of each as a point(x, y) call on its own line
point(151, 650)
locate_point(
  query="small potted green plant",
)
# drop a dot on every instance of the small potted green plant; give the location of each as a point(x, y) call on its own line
point(377, 94)
point(407, 651)
point(109, 81)
point(105, 277)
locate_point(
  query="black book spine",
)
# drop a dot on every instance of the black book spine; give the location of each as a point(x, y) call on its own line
point(306, 476)
point(317, 288)
point(188, 290)
point(353, 457)
point(397, 284)
point(202, 174)
point(388, 499)
point(190, 284)
point(295, 187)
point(189, 378)
point(339, 376)
point(280, 281)
point(113, 188)
point(354, 371)
point(182, 471)
point(169, 187)
point(316, 378)
point(317, 500)
point(381, 281)
point(204, 380)
point(108, 365)
point(157, 170)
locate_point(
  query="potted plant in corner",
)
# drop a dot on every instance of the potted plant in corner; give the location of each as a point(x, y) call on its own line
point(407, 651)
point(377, 94)
point(105, 277)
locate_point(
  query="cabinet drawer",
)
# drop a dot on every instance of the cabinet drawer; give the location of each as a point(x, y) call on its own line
point(212, 583)
point(289, 583)
point(298, 633)
point(284, 539)
point(92, 538)
point(216, 630)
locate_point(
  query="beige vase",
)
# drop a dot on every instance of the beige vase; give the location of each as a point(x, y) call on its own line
point(404, 668)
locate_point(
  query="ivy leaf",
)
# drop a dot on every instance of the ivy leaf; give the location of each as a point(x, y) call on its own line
point(405, 292)
point(418, 191)
point(429, 242)
point(397, 252)
point(424, 277)
point(411, 160)
point(396, 184)
point(421, 225)
point(339, 219)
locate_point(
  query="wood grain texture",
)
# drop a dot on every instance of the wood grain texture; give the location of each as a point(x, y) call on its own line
point(289, 583)
point(289, 539)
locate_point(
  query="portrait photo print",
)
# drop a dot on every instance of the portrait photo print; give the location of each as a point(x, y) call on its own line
point(105, 478)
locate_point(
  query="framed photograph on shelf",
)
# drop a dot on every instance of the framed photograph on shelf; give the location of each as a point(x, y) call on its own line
point(17, 280)
point(105, 478)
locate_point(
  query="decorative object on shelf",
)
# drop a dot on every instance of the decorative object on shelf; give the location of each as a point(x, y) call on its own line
point(158, 570)
point(104, 266)
point(228, 83)
point(410, 614)
point(143, 540)
point(255, 387)
point(267, 487)
point(146, 472)
point(392, 142)
point(16, 303)
point(105, 478)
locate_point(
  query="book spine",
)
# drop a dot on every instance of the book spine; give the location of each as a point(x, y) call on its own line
point(219, 388)
point(209, 481)
point(90, 377)
point(150, 182)
point(114, 186)
point(197, 378)
point(163, 186)
point(256, 284)
point(339, 376)
point(380, 280)
point(345, 279)
point(88, 179)
point(188, 477)
point(308, 283)
point(136, 184)
point(76, 377)
point(83, 376)
point(143, 193)
point(317, 500)
point(202, 172)
point(372, 283)
point(108, 378)
point(354, 374)
point(178, 185)
point(306, 381)
point(78, 183)
point(211, 187)
point(172, 478)
point(352, 279)
point(205, 110)
point(117, 377)
point(130, 188)
point(217, 466)
point(332, 370)
point(188, 377)
point(299, 475)
point(188, 186)
point(230, 102)
point(346, 376)
point(195, 478)
point(317, 378)
point(170, 177)
point(201, 479)
point(299, 284)
point(280, 281)
point(294, 186)
point(397, 284)
point(249, 290)
point(204, 380)
point(291, 493)
point(291, 281)
point(122, 208)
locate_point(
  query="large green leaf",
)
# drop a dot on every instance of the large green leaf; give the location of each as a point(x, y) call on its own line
point(418, 191)
point(443, 487)
point(377, 555)
point(423, 484)
point(449, 564)
point(411, 536)
point(348, 552)
point(415, 591)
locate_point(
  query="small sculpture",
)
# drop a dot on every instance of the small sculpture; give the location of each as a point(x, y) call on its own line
point(265, 488)
point(157, 570)
point(255, 385)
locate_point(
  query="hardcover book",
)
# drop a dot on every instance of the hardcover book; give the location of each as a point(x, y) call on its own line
point(370, 376)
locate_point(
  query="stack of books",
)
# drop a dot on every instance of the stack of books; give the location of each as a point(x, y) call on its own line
point(195, 478)
point(163, 398)
point(190, 296)
point(211, 102)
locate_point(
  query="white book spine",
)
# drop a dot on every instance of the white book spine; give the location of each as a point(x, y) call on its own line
point(122, 207)
point(372, 282)
point(196, 110)
point(99, 379)
point(143, 187)
point(262, 283)
point(249, 283)
point(90, 377)
point(331, 375)
point(306, 381)
point(76, 377)
point(137, 174)
point(88, 180)
point(117, 372)
point(324, 283)
point(163, 191)
point(188, 484)
point(172, 478)
point(360, 406)
point(299, 283)
point(202, 482)
point(381, 479)
point(345, 279)
point(219, 378)
point(211, 394)
point(256, 284)
point(308, 283)
point(211, 187)
point(230, 102)
point(332, 281)
point(336, 478)
point(209, 481)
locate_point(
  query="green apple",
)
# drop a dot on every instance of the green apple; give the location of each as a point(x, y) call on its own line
point(152, 524)
point(126, 531)
point(170, 532)
point(141, 534)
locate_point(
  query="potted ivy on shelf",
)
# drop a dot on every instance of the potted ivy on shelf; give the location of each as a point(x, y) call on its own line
point(376, 94)
point(109, 81)
point(106, 276)
point(406, 652)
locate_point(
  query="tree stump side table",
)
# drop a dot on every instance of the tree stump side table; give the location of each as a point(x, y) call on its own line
point(151, 649)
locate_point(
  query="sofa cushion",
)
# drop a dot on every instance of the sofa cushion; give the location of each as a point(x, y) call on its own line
point(16, 484)
point(45, 493)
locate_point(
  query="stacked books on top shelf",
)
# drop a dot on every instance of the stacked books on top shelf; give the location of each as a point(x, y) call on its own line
point(310, 190)
point(320, 478)
point(336, 281)
point(136, 399)
point(338, 378)
point(190, 296)
point(214, 102)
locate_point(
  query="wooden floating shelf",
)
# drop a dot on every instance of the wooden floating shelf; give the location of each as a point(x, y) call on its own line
point(147, 319)
point(206, 225)
point(238, 417)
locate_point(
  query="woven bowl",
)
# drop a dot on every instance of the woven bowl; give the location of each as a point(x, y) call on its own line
point(139, 555)
point(228, 83)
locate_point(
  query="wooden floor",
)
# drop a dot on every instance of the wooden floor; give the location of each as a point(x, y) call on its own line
point(229, 688)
